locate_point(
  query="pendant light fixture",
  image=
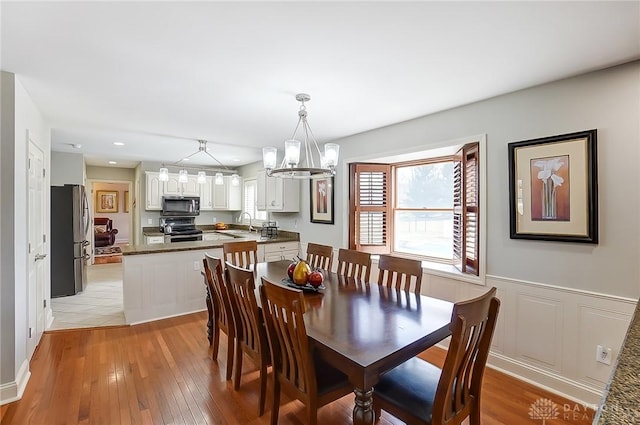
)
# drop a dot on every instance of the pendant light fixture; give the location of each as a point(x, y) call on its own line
point(292, 166)
point(183, 176)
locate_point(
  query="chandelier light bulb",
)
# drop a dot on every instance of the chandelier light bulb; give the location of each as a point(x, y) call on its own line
point(292, 152)
point(235, 180)
point(269, 156)
point(163, 176)
point(219, 179)
point(183, 177)
point(202, 177)
point(331, 151)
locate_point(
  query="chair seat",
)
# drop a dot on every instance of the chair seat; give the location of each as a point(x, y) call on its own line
point(411, 387)
point(329, 378)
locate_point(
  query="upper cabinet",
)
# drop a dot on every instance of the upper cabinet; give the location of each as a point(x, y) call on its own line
point(212, 197)
point(155, 189)
point(277, 194)
point(227, 196)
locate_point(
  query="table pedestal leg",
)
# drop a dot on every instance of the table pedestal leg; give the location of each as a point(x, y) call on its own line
point(363, 409)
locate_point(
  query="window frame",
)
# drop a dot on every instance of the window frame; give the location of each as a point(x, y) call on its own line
point(394, 206)
point(254, 213)
point(425, 151)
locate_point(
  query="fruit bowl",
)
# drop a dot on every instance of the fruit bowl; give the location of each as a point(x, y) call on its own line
point(306, 287)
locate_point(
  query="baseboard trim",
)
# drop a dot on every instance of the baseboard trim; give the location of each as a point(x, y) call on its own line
point(137, 322)
point(556, 384)
point(13, 391)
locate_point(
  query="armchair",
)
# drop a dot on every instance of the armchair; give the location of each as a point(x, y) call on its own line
point(103, 231)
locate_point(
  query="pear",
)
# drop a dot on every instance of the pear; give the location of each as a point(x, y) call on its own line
point(301, 273)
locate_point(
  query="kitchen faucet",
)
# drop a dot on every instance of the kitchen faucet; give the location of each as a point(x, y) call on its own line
point(240, 220)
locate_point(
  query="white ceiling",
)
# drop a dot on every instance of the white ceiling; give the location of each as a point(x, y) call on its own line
point(157, 76)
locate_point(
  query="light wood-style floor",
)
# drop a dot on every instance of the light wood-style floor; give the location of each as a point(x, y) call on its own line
point(162, 373)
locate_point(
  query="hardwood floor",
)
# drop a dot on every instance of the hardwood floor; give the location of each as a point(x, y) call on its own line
point(162, 373)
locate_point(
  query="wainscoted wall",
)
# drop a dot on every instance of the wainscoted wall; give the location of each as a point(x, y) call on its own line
point(546, 335)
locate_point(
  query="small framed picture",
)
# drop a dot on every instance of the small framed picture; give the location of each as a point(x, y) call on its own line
point(321, 200)
point(553, 188)
point(107, 201)
point(126, 201)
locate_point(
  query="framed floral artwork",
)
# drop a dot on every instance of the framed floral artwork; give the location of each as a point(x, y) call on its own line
point(553, 188)
point(107, 201)
point(322, 200)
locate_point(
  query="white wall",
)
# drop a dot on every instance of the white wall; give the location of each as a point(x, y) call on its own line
point(559, 300)
point(67, 168)
point(15, 365)
point(121, 219)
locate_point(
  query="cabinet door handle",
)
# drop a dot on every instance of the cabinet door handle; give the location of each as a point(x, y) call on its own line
point(39, 257)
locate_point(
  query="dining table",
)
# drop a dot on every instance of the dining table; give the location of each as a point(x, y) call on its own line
point(364, 329)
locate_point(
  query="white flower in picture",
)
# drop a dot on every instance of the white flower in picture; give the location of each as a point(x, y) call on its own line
point(550, 182)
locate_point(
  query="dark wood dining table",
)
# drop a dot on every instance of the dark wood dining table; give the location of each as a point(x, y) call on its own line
point(364, 329)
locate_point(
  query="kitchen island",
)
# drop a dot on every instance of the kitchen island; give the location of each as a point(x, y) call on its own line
point(164, 280)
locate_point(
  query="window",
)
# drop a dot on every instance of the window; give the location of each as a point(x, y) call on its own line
point(427, 208)
point(249, 206)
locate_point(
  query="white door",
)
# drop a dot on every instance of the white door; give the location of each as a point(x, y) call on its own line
point(37, 251)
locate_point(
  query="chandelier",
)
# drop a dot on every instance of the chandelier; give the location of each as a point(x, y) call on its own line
point(183, 175)
point(292, 166)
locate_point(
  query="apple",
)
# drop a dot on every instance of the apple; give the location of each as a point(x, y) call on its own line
point(290, 270)
point(315, 278)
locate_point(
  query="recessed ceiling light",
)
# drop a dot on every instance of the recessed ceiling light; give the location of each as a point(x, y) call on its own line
point(112, 162)
point(76, 145)
point(118, 143)
point(236, 160)
point(185, 159)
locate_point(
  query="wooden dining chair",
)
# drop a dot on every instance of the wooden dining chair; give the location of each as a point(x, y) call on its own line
point(241, 253)
point(251, 335)
point(320, 256)
point(400, 273)
point(222, 314)
point(353, 263)
point(417, 392)
point(296, 370)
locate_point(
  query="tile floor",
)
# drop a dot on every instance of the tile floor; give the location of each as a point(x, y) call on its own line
point(98, 305)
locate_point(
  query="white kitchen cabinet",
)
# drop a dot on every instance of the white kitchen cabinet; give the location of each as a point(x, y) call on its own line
point(277, 194)
point(172, 186)
point(206, 194)
point(191, 188)
point(280, 251)
point(148, 240)
point(226, 196)
point(154, 191)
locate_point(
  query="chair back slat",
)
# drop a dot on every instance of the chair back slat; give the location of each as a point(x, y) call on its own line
point(353, 263)
point(287, 335)
point(320, 256)
point(400, 273)
point(241, 253)
point(472, 326)
point(245, 308)
point(218, 291)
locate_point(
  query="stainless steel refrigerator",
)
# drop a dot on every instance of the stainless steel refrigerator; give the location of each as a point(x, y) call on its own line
point(69, 224)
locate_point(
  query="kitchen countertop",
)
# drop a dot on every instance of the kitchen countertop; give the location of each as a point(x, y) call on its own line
point(283, 236)
point(620, 405)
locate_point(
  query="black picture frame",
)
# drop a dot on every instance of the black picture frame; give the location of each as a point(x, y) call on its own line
point(321, 197)
point(553, 188)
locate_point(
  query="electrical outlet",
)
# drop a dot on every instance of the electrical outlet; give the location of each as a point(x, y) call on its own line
point(603, 355)
point(214, 220)
point(196, 265)
point(149, 221)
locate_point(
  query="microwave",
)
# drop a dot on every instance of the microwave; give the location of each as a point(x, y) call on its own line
point(180, 206)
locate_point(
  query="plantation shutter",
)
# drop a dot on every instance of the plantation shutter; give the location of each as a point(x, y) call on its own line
point(466, 209)
point(369, 208)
